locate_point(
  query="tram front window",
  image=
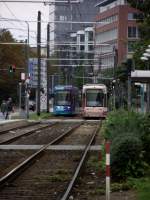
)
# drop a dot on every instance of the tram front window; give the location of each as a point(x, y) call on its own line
point(94, 98)
point(62, 98)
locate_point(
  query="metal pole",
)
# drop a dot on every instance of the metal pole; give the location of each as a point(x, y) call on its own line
point(27, 103)
point(148, 97)
point(27, 61)
point(142, 98)
point(26, 81)
point(48, 49)
point(148, 90)
point(107, 148)
point(39, 61)
point(114, 98)
point(129, 92)
point(20, 89)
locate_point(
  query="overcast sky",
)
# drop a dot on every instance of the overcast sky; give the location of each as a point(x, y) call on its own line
point(23, 11)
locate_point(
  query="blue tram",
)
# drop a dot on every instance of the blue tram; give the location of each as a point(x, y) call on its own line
point(65, 100)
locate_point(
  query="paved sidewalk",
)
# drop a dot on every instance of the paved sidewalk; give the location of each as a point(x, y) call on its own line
point(11, 118)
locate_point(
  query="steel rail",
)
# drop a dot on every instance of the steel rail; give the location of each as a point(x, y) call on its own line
point(21, 166)
point(19, 127)
point(9, 140)
point(78, 169)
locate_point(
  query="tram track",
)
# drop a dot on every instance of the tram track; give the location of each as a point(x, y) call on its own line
point(13, 135)
point(71, 184)
point(44, 135)
point(72, 159)
point(5, 128)
point(39, 138)
point(30, 158)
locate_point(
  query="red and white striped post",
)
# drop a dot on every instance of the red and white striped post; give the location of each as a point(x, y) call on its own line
point(107, 148)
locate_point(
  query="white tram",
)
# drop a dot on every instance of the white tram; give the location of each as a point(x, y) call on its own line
point(94, 100)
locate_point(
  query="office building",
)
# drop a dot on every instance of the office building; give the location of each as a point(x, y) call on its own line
point(117, 30)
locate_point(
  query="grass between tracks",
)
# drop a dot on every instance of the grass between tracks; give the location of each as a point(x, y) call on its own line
point(43, 115)
point(33, 116)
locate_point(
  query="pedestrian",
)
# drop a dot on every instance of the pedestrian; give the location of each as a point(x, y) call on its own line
point(3, 108)
point(9, 108)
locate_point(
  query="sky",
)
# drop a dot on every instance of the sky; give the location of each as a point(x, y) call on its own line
point(27, 12)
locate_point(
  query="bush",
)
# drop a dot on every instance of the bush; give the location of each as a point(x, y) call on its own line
point(129, 133)
point(120, 122)
point(146, 137)
point(126, 157)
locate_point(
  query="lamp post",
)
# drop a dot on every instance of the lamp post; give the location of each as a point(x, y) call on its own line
point(146, 57)
point(114, 94)
point(48, 55)
point(20, 85)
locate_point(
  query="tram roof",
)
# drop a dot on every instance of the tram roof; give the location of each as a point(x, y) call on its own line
point(64, 87)
point(94, 86)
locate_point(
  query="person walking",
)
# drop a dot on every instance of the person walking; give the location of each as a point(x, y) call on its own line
point(3, 108)
point(9, 108)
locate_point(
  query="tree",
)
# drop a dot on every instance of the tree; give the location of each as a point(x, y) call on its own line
point(144, 29)
point(10, 55)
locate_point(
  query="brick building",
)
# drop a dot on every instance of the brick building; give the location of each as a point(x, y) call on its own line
point(117, 29)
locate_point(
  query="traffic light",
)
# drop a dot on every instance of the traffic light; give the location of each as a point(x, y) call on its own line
point(12, 68)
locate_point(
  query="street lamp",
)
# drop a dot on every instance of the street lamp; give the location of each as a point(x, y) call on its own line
point(114, 93)
point(148, 51)
point(146, 57)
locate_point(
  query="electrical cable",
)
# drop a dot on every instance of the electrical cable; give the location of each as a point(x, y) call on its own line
point(11, 11)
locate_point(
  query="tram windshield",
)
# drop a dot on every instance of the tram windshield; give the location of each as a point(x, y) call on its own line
point(95, 98)
point(62, 98)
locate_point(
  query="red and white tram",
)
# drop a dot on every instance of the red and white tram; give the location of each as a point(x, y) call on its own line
point(94, 100)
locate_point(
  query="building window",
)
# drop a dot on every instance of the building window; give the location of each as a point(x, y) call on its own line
point(107, 36)
point(108, 20)
point(132, 16)
point(82, 47)
point(62, 18)
point(132, 32)
point(90, 47)
point(82, 38)
point(91, 36)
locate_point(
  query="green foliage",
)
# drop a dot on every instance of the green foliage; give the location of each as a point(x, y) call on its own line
point(141, 5)
point(121, 73)
point(144, 29)
point(120, 122)
point(146, 137)
point(126, 157)
point(107, 73)
point(142, 186)
point(120, 186)
point(43, 115)
point(79, 72)
point(129, 133)
point(10, 55)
